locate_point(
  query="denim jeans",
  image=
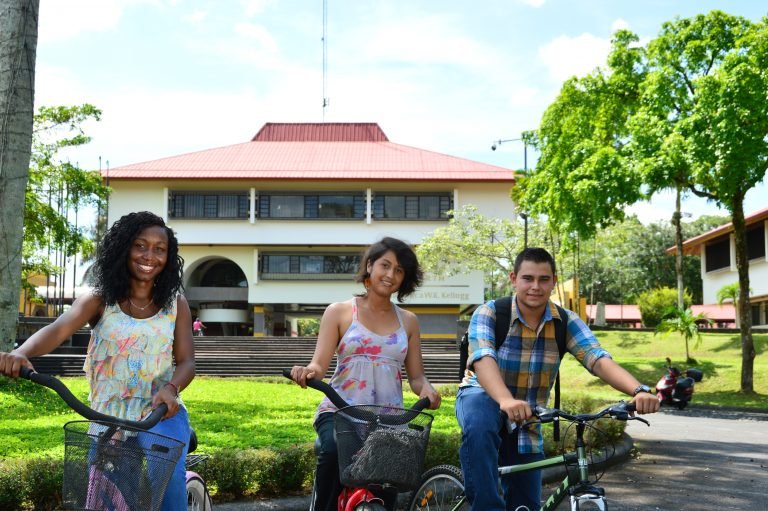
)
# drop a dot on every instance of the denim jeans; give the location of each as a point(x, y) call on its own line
point(480, 454)
point(176, 427)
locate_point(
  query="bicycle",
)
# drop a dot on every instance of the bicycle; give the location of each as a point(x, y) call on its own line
point(380, 448)
point(442, 487)
point(117, 464)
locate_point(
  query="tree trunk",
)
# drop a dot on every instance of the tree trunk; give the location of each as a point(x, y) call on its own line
point(18, 47)
point(676, 217)
point(743, 310)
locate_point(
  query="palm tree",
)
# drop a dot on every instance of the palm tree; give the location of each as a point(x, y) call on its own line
point(684, 322)
point(730, 293)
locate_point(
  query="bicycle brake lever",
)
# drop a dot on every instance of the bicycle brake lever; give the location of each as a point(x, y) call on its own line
point(640, 419)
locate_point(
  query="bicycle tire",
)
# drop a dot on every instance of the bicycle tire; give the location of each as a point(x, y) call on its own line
point(197, 496)
point(370, 506)
point(442, 487)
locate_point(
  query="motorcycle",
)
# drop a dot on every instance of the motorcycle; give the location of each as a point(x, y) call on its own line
point(677, 390)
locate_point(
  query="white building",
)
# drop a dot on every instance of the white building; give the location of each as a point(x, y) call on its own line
point(271, 230)
point(718, 261)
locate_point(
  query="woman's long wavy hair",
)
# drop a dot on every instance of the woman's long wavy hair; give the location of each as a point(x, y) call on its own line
point(110, 271)
point(406, 257)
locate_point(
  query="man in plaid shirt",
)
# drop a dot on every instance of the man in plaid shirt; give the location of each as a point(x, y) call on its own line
point(516, 377)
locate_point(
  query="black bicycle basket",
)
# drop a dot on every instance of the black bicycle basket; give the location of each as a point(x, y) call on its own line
point(107, 467)
point(381, 445)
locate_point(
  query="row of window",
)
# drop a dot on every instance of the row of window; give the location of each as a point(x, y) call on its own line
point(309, 264)
point(718, 254)
point(352, 206)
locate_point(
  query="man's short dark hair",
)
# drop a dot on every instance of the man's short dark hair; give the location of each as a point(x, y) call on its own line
point(535, 255)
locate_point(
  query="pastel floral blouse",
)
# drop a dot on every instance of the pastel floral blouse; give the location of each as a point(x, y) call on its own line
point(369, 366)
point(129, 360)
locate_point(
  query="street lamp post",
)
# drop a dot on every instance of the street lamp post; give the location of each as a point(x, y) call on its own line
point(496, 144)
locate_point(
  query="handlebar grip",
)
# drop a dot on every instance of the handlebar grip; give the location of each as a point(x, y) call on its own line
point(421, 404)
point(53, 383)
point(631, 407)
point(323, 387)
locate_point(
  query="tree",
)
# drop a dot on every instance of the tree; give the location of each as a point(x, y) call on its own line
point(703, 103)
point(730, 293)
point(472, 241)
point(685, 323)
point(18, 51)
point(687, 112)
point(57, 188)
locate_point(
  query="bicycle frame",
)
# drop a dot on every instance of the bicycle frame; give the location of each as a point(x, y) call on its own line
point(575, 484)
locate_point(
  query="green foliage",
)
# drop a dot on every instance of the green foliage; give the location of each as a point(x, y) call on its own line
point(308, 326)
point(12, 485)
point(57, 187)
point(43, 478)
point(656, 304)
point(685, 323)
point(235, 473)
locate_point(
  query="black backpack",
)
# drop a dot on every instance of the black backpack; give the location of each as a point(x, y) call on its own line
point(503, 311)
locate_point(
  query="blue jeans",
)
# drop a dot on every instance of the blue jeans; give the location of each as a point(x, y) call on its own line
point(481, 425)
point(176, 427)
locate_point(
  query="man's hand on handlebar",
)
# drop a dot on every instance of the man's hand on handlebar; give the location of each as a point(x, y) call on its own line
point(646, 402)
point(10, 363)
point(516, 410)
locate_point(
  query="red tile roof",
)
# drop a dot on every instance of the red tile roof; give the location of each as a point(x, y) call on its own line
point(338, 151)
point(724, 313)
point(693, 246)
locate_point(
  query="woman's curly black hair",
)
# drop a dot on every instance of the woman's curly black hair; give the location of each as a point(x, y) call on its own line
point(110, 271)
point(406, 257)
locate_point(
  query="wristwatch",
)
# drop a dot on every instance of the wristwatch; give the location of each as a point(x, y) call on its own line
point(641, 388)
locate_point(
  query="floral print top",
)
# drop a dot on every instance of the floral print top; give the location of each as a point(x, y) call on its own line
point(129, 360)
point(368, 366)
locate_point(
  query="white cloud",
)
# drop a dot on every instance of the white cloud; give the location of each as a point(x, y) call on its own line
point(533, 3)
point(619, 24)
point(254, 7)
point(574, 56)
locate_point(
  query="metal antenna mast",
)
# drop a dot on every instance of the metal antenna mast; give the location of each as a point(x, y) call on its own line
point(326, 100)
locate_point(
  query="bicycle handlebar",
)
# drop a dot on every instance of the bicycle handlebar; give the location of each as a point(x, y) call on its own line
point(53, 383)
point(619, 411)
point(339, 402)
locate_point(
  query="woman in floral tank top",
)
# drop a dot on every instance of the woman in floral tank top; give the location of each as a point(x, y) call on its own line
point(141, 326)
point(372, 339)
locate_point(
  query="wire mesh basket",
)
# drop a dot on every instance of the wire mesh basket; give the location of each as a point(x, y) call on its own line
point(115, 468)
point(381, 445)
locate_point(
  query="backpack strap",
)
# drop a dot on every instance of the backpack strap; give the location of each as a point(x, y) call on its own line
point(561, 328)
point(503, 318)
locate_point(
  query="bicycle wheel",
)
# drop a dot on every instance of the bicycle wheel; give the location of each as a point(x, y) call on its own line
point(442, 489)
point(197, 496)
point(370, 506)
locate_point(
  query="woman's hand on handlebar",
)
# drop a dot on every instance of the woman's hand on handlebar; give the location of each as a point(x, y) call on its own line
point(10, 363)
point(300, 374)
point(167, 395)
point(434, 396)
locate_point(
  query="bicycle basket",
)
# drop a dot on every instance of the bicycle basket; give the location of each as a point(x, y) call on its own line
point(381, 445)
point(115, 468)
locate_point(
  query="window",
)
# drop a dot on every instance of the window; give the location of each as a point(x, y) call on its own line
point(292, 266)
point(718, 255)
point(413, 206)
point(324, 206)
point(208, 205)
point(756, 242)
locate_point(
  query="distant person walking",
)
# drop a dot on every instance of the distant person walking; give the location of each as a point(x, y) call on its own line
point(198, 326)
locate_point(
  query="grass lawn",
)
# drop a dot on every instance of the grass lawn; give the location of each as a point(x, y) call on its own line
point(263, 412)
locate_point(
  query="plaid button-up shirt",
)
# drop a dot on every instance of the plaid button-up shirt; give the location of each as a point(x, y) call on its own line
point(528, 359)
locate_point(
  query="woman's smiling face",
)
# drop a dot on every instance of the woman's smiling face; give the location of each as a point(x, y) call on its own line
point(386, 274)
point(149, 253)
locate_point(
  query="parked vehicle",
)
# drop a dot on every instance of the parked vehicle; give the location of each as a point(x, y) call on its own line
point(674, 389)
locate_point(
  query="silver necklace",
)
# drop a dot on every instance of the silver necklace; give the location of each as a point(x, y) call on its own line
point(136, 306)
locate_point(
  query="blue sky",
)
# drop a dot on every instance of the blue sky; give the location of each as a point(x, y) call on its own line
point(452, 76)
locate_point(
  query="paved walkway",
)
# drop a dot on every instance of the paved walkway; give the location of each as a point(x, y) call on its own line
point(692, 460)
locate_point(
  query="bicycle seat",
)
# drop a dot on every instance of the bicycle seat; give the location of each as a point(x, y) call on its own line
point(192, 441)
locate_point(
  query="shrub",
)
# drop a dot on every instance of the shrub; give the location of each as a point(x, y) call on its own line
point(287, 470)
point(654, 304)
point(43, 478)
point(11, 485)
